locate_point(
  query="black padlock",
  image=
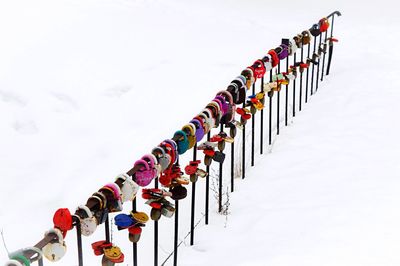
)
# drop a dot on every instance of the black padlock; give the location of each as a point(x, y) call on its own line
point(232, 131)
point(193, 178)
point(102, 216)
point(221, 145)
point(244, 121)
point(155, 214)
point(207, 160)
point(253, 110)
point(219, 157)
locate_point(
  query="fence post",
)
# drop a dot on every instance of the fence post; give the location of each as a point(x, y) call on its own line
point(313, 67)
point(323, 60)
point(244, 150)
point(107, 228)
point(134, 245)
point(262, 120)
point(207, 184)
point(317, 80)
point(330, 43)
point(176, 233)
point(286, 94)
point(232, 166)
point(301, 80)
point(294, 87)
point(193, 200)
point(77, 224)
point(253, 122)
point(308, 69)
point(278, 101)
point(156, 231)
point(270, 112)
point(220, 180)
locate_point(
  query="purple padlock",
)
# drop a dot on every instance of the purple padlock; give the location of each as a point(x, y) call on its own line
point(284, 52)
point(173, 144)
point(199, 129)
point(219, 102)
point(144, 175)
point(225, 105)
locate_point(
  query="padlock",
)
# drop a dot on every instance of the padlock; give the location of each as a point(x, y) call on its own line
point(323, 24)
point(106, 262)
point(221, 145)
point(102, 216)
point(134, 233)
point(315, 30)
point(178, 192)
point(155, 214)
point(114, 254)
point(192, 167)
point(219, 157)
point(168, 210)
point(56, 249)
point(207, 160)
point(232, 129)
point(253, 110)
point(193, 178)
point(87, 220)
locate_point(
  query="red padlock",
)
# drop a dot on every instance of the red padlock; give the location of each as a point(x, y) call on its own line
point(274, 56)
point(156, 205)
point(216, 138)
point(166, 178)
point(192, 167)
point(99, 246)
point(209, 152)
point(323, 24)
point(245, 115)
point(259, 69)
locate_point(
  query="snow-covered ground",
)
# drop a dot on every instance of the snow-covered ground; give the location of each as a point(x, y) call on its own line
point(87, 87)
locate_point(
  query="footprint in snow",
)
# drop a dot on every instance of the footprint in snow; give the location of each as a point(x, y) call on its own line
point(11, 97)
point(118, 91)
point(67, 103)
point(27, 127)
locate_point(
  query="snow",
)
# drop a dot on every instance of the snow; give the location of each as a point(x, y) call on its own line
point(87, 87)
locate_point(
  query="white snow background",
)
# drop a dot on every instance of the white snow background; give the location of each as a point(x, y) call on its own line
point(87, 87)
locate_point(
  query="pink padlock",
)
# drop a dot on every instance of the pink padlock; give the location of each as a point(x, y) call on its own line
point(144, 175)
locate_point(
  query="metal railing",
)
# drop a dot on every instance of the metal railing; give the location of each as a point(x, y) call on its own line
point(311, 75)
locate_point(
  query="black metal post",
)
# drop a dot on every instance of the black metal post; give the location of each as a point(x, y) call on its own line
point(308, 69)
point(262, 121)
point(232, 167)
point(286, 94)
point(328, 67)
point(244, 150)
point(156, 232)
point(134, 245)
point(270, 113)
point(176, 233)
point(313, 67)
point(253, 122)
point(301, 80)
point(107, 228)
point(193, 200)
point(77, 224)
point(207, 185)
point(294, 87)
point(40, 262)
point(323, 60)
point(220, 181)
point(319, 46)
point(278, 101)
